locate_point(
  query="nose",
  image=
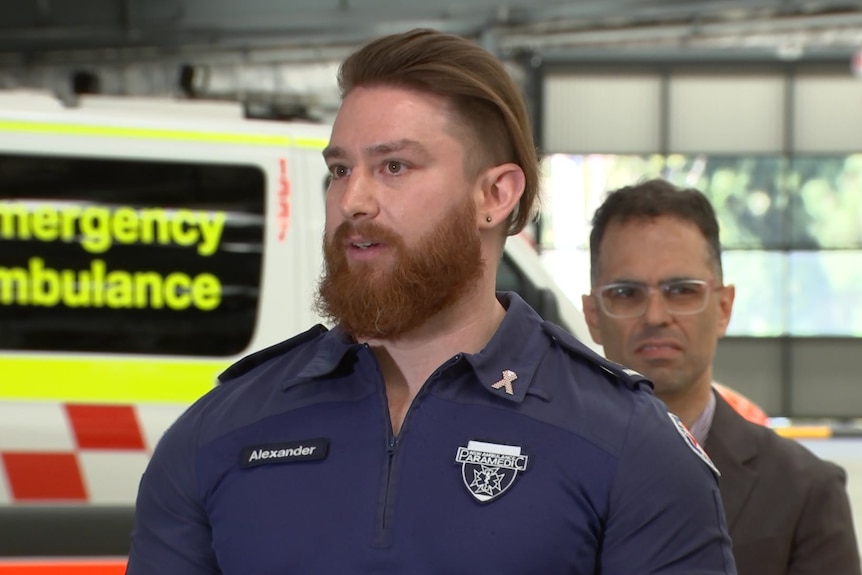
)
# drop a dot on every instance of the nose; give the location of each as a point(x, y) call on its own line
point(656, 311)
point(359, 200)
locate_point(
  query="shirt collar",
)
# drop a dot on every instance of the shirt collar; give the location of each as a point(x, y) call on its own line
point(700, 427)
point(514, 352)
point(511, 356)
point(334, 345)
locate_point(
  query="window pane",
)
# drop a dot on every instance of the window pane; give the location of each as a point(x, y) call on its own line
point(129, 256)
point(826, 293)
point(746, 192)
point(778, 218)
point(761, 284)
point(575, 185)
point(826, 201)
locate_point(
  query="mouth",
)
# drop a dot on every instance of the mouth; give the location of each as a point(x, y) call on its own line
point(364, 241)
point(362, 250)
point(658, 349)
point(649, 346)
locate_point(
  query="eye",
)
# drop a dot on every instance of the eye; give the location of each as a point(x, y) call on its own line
point(683, 289)
point(337, 171)
point(394, 167)
point(620, 292)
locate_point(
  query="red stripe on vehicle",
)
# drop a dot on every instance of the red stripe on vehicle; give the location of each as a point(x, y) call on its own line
point(44, 476)
point(64, 567)
point(105, 426)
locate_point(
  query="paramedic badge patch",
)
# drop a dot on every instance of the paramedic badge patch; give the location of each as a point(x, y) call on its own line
point(489, 469)
point(692, 442)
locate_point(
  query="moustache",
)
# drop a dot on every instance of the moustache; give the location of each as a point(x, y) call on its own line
point(368, 230)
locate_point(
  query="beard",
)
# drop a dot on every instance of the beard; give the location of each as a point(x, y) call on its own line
point(371, 302)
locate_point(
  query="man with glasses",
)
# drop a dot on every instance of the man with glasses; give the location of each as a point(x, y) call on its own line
point(658, 304)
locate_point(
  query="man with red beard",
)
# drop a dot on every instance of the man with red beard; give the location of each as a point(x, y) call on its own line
point(439, 427)
point(418, 282)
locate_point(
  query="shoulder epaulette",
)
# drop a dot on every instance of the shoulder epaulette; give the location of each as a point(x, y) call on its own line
point(260, 357)
point(572, 344)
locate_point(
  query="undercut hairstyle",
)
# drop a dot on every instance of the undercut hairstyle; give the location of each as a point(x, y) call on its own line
point(482, 93)
point(648, 201)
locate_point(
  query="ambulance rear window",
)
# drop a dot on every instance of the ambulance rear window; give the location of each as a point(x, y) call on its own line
point(129, 256)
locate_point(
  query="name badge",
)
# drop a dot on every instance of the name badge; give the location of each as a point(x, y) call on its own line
point(288, 452)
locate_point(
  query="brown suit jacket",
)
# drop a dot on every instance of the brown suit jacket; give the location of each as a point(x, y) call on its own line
point(787, 510)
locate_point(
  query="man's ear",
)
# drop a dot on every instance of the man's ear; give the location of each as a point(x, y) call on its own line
point(725, 307)
point(591, 315)
point(499, 190)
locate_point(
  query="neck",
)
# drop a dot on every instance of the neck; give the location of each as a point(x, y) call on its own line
point(464, 328)
point(407, 361)
point(688, 404)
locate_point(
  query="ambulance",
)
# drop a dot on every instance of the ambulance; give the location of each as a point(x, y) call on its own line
point(145, 245)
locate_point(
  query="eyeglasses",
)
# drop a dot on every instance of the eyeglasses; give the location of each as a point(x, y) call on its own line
point(626, 300)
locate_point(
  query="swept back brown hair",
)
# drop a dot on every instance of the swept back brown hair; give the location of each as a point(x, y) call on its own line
point(483, 95)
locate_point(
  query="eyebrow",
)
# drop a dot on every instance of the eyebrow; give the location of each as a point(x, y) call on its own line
point(668, 280)
point(381, 149)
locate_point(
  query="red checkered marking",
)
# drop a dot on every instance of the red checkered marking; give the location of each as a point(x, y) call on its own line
point(44, 476)
point(91, 453)
point(105, 426)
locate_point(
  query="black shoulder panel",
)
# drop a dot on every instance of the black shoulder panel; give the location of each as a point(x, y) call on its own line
point(570, 343)
point(260, 357)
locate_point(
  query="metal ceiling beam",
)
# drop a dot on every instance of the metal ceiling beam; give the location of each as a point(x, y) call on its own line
point(161, 28)
point(819, 31)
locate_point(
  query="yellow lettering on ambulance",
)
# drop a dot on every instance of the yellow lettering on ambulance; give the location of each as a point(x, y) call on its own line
point(211, 231)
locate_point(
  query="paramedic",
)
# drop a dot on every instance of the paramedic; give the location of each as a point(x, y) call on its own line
point(659, 305)
point(439, 427)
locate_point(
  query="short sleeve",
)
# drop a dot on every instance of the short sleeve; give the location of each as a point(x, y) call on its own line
point(666, 515)
point(171, 532)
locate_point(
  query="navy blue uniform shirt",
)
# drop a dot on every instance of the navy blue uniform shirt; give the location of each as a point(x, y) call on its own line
point(533, 456)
